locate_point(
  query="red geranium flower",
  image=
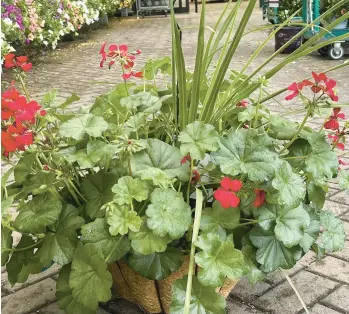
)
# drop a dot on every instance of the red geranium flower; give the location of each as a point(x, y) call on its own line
point(225, 195)
point(332, 123)
point(330, 84)
point(195, 177)
point(321, 77)
point(335, 141)
point(242, 103)
point(9, 61)
point(293, 88)
point(185, 159)
point(260, 197)
point(128, 75)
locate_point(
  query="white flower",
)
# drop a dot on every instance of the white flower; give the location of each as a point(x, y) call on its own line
point(59, 11)
point(7, 21)
point(50, 31)
point(41, 37)
point(61, 32)
point(45, 42)
point(42, 24)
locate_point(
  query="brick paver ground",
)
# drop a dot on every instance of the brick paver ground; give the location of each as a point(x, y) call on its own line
point(74, 68)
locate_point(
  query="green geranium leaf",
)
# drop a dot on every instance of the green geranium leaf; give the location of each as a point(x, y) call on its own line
point(23, 168)
point(6, 203)
point(89, 124)
point(218, 260)
point(146, 242)
point(322, 161)
point(128, 189)
point(39, 183)
point(111, 248)
point(288, 224)
point(217, 218)
point(246, 151)
point(6, 243)
point(89, 271)
point(157, 266)
point(121, 219)
point(39, 213)
point(168, 213)
point(65, 297)
point(49, 97)
point(300, 148)
point(317, 193)
point(22, 263)
point(197, 138)
point(252, 271)
point(343, 179)
point(281, 128)
point(271, 253)
point(136, 121)
point(204, 300)
point(332, 239)
point(143, 101)
point(97, 189)
point(72, 98)
point(290, 186)
point(311, 233)
point(163, 156)
point(159, 177)
point(61, 240)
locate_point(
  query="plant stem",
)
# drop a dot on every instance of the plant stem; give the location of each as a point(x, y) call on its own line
point(191, 175)
point(297, 133)
point(295, 157)
point(258, 104)
point(129, 166)
point(23, 248)
point(24, 87)
point(198, 210)
point(295, 291)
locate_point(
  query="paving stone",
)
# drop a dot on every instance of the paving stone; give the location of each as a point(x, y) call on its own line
point(343, 254)
point(277, 276)
point(282, 298)
point(333, 268)
point(345, 217)
point(346, 229)
point(236, 307)
point(341, 197)
point(321, 309)
point(53, 270)
point(339, 299)
point(337, 208)
point(50, 309)
point(29, 299)
point(121, 306)
point(246, 292)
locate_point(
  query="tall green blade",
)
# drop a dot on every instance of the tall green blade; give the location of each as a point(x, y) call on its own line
point(198, 72)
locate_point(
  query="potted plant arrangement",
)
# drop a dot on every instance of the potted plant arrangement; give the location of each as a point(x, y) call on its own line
point(170, 190)
point(285, 13)
point(340, 11)
point(125, 5)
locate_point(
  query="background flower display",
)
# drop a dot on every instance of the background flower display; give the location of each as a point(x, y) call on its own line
point(44, 23)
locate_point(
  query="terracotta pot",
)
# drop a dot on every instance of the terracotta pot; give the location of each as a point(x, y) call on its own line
point(153, 296)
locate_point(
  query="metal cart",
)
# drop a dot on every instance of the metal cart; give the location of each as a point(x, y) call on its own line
point(311, 11)
point(146, 7)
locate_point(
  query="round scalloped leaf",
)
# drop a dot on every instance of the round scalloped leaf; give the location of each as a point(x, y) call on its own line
point(168, 213)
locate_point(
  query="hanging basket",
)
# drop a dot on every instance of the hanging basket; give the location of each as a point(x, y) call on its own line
point(153, 296)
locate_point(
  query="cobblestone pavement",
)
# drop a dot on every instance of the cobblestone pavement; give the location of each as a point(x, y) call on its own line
point(74, 68)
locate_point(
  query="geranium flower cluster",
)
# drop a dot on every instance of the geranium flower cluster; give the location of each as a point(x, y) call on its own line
point(227, 196)
point(120, 55)
point(18, 115)
point(11, 61)
point(337, 138)
point(322, 86)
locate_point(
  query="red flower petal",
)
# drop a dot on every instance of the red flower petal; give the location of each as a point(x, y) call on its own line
point(234, 200)
point(9, 61)
point(43, 113)
point(231, 185)
point(195, 177)
point(319, 77)
point(126, 76)
point(113, 47)
point(102, 50)
point(137, 74)
point(22, 59)
point(331, 124)
point(293, 87)
point(290, 97)
point(340, 146)
point(26, 67)
point(223, 197)
point(185, 159)
point(8, 142)
point(24, 140)
point(342, 162)
point(260, 198)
